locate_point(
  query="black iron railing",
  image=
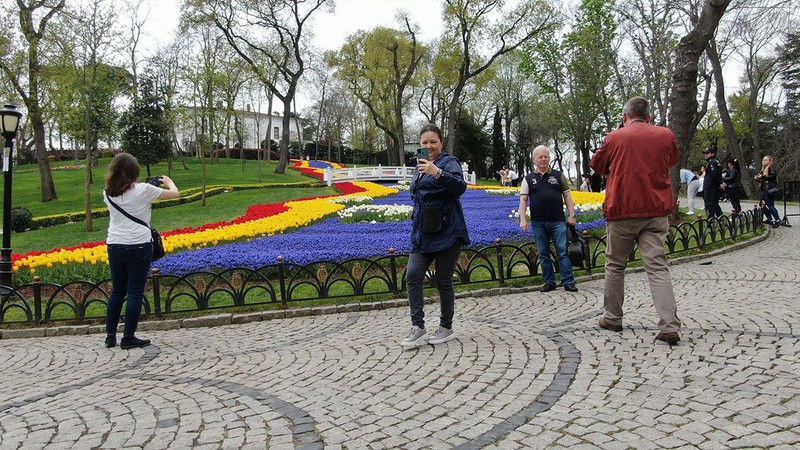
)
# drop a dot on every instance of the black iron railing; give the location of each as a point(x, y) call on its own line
point(285, 284)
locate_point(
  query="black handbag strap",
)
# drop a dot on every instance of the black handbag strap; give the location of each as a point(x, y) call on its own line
point(573, 233)
point(125, 213)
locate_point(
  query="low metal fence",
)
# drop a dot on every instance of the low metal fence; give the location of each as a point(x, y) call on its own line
point(284, 284)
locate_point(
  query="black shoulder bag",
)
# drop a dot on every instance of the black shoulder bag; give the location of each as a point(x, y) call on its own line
point(577, 247)
point(158, 244)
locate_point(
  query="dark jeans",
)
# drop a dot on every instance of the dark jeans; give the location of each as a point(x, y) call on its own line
point(556, 232)
point(770, 211)
point(129, 266)
point(418, 264)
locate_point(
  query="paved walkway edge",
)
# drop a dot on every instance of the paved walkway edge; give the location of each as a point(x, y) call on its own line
point(230, 318)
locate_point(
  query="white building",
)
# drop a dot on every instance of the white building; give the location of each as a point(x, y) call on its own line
point(254, 126)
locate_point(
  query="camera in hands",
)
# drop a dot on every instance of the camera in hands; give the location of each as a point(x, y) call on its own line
point(155, 181)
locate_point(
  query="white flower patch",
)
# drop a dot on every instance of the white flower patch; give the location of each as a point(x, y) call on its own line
point(585, 207)
point(403, 185)
point(503, 191)
point(351, 200)
point(375, 213)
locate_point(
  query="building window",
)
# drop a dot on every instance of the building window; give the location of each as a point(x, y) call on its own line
point(276, 133)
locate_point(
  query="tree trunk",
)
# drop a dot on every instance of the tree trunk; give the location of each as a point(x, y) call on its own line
point(684, 80)
point(285, 135)
point(725, 118)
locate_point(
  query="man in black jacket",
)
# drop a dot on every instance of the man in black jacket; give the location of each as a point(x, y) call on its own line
point(712, 183)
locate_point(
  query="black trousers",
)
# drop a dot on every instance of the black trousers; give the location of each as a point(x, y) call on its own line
point(711, 202)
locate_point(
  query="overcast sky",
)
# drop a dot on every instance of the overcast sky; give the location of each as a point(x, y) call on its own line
point(330, 30)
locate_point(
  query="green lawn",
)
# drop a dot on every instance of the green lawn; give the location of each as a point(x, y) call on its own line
point(70, 183)
point(221, 207)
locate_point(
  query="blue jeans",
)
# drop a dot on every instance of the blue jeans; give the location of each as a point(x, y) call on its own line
point(769, 206)
point(543, 234)
point(418, 264)
point(129, 266)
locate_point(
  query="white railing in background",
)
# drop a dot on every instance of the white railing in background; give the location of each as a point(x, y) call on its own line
point(378, 173)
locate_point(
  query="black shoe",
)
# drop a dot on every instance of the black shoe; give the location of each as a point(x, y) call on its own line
point(570, 288)
point(548, 287)
point(111, 341)
point(776, 225)
point(671, 338)
point(133, 342)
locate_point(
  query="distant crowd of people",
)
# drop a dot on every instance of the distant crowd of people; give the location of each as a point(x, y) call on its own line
point(719, 184)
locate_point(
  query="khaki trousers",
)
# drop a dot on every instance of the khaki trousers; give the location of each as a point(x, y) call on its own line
point(650, 234)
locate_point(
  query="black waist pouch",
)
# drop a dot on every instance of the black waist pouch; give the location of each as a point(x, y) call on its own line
point(431, 219)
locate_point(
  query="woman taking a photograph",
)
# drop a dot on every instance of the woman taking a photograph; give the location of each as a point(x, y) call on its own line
point(768, 177)
point(130, 249)
point(438, 232)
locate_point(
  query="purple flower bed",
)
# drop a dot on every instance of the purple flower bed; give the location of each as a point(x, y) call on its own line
point(486, 216)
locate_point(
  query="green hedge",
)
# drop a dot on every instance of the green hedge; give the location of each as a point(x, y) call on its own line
point(187, 196)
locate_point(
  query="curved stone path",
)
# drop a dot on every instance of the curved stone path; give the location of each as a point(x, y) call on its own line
point(528, 370)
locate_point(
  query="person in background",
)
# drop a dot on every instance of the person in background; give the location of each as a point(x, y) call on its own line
point(712, 183)
point(505, 180)
point(548, 190)
point(732, 180)
point(438, 231)
point(514, 177)
point(596, 182)
point(692, 186)
point(637, 158)
point(585, 186)
point(130, 249)
point(768, 177)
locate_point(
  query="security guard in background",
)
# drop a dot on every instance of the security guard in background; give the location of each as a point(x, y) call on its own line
point(712, 183)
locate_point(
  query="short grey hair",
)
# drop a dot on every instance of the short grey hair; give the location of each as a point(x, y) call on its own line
point(540, 147)
point(637, 107)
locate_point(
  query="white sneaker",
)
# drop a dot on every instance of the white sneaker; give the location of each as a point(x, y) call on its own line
point(416, 337)
point(441, 335)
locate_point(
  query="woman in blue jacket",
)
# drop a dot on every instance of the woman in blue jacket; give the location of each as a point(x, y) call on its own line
point(438, 232)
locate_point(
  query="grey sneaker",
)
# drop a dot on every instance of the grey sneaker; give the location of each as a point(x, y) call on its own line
point(415, 337)
point(441, 335)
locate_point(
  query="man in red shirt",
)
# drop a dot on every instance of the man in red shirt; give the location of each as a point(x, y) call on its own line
point(636, 158)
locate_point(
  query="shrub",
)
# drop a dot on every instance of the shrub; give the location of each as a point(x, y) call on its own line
point(21, 219)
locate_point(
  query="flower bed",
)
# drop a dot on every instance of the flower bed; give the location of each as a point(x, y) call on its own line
point(300, 231)
point(486, 216)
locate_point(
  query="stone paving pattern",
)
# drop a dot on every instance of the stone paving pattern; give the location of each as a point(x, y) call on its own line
point(527, 370)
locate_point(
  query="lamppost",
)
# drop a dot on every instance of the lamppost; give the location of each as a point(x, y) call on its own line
point(9, 122)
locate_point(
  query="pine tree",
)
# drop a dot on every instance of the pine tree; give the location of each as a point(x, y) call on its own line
point(146, 128)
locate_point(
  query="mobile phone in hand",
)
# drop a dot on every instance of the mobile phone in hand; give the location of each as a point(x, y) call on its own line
point(422, 153)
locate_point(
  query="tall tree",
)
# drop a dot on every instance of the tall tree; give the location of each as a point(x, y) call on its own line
point(87, 34)
point(34, 17)
point(684, 79)
point(473, 143)
point(590, 60)
point(271, 30)
point(146, 132)
point(165, 67)
point(378, 67)
point(498, 143)
point(650, 26)
point(477, 25)
point(508, 87)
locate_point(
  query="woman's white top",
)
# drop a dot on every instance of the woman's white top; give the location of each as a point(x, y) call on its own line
point(136, 201)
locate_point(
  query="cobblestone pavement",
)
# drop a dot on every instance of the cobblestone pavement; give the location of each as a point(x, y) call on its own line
point(527, 370)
